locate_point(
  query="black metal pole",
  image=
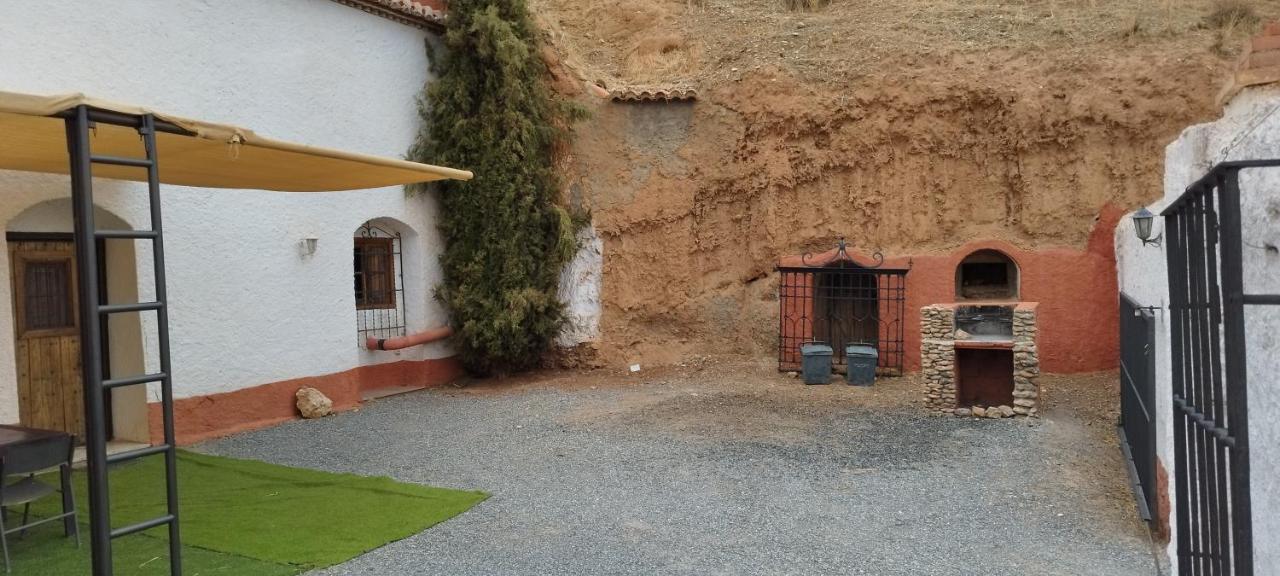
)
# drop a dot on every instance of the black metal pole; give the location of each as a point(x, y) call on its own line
point(162, 325)
point(1177, 269)
point(1237, 373)
point(1220, 451)
point(90, 339)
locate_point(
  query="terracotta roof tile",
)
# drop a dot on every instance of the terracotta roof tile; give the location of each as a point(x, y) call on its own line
point(1259, 63)
point(420, 13)
point(653, 94)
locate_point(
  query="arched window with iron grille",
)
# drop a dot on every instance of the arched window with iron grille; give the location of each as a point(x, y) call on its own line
point(378, 272)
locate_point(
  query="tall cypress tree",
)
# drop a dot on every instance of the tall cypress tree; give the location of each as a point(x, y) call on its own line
point(490, 111)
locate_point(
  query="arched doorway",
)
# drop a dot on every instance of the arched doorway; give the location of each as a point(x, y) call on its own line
point(45, 322)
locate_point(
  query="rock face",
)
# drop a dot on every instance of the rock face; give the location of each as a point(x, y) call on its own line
point(313, 403)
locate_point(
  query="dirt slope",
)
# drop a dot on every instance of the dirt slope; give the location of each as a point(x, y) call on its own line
point(910, 127)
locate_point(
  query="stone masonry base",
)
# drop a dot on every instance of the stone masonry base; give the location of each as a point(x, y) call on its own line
point(938, 363)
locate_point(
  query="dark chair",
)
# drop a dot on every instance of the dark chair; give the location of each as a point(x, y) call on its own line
point(25, 461)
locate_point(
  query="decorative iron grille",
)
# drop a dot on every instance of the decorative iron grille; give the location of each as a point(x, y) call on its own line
point(841, 302)
point(380, 306)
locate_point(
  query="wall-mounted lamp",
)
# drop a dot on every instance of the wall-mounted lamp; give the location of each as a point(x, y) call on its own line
point(308, 245)
point(1142, 222)
point(1138, 310)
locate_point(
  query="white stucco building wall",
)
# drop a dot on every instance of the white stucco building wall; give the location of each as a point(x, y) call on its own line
point(247, 308)
point(580, 285)
point(1249, 129)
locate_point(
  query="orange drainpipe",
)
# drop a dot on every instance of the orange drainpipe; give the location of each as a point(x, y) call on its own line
point(411, 340)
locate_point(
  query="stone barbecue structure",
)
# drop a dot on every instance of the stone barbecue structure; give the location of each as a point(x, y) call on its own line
point(980, 359)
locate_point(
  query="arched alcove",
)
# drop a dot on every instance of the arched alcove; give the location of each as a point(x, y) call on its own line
point(39, 242)
point(387, 279)
point(987, 275)
point(838, 299)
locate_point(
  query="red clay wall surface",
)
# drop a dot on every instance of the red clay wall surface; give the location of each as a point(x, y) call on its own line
point(1078, 315)
point(203, 417)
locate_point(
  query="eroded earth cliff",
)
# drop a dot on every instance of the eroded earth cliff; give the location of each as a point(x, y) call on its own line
point(910, 128)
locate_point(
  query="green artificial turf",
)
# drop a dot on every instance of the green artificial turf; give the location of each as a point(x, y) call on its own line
point(44, 552)
point(248, 517)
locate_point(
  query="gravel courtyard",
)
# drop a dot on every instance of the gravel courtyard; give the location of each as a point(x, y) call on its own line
point(727, 467)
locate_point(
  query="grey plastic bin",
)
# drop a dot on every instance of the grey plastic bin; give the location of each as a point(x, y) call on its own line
point(815, 361)
point(861, 363)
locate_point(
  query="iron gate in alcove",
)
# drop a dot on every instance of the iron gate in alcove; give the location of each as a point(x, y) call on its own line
point(1207, 305)
point(840, 302)
point(1137, 427)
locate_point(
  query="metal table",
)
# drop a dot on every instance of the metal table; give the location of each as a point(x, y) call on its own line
point(19, 435)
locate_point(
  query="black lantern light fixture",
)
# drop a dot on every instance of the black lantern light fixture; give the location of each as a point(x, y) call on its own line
point(1143, 219)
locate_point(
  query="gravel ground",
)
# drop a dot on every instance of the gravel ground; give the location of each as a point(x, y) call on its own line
point(731, 468)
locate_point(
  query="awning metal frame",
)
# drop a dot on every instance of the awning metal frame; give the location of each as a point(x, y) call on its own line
point(79, 121)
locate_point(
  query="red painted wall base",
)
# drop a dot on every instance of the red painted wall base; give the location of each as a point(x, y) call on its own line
point(203, 417)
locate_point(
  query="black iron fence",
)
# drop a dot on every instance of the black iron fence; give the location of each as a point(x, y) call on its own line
point(1210, 388)
point(1137, 401)
point(841, 302)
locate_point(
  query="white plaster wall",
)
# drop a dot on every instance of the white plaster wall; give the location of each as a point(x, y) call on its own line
point(246, 307)
point(1249, 129)
point(580, 290)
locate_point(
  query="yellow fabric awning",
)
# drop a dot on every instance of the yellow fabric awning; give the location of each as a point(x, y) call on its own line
point(212, 156)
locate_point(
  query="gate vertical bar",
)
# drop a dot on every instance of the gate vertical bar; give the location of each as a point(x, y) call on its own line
point(90, 339)
point(1237, 373)
point(1217, 390)
point(1200, 512)
point(162, 328)
point(1178, 309)
point(1203, 440)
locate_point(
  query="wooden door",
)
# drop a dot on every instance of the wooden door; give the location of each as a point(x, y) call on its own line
point(47, 335)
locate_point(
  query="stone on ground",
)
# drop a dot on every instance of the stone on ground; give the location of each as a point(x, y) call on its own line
point(313, 403)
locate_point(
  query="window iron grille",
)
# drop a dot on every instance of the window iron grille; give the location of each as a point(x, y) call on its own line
point(378, 272)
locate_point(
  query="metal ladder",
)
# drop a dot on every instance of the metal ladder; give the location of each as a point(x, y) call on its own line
point(94, 313)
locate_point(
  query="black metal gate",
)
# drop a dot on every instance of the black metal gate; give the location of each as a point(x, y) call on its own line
point(841, 302)
point(1207, 324)
point(1138, 400)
